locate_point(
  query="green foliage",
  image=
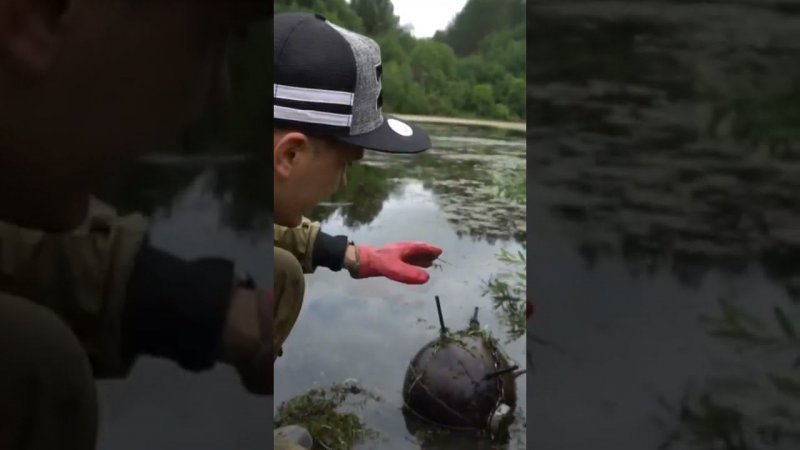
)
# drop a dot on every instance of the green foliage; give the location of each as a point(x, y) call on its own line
point(318, 410)
point(240, 123)
point(474, 69)
point(513, 188)
point(754, 409)
point(480, 19)
point(377, 15)
point(336, 11)
point(509, 293)
point(481, 99)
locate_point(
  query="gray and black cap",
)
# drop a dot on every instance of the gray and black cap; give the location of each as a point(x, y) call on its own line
point(328, 82)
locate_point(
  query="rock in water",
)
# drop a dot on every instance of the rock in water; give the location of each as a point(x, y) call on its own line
point(462, 380)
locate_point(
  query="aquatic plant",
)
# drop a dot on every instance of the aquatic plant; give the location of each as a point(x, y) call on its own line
point(757, 409)
point(319, 411)
point(512, 187)
point(509, 293)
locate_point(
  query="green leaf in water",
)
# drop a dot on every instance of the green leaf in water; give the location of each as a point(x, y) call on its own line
point(738, 317)
point(785, 324)
point(736, 335)
point(733, 384)
point(787, 385)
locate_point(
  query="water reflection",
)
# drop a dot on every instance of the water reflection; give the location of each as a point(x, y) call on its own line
point(237, 181)
point(363, 197)
point(464, 170)
point(665, 159)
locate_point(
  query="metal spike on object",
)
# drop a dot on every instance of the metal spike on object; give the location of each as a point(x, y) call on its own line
point(443, 329)
point(473, 322)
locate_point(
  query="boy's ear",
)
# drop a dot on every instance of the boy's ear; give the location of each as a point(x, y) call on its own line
point(285, 153)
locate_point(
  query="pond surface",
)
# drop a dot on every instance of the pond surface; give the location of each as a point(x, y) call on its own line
point(367, 330)
point(370, 329)
point(664, 210)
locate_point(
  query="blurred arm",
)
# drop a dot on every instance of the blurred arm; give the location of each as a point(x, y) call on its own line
point(121, 297)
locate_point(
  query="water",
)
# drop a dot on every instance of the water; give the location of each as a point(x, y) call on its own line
point(664, 178)
point(370, 329)
point(366, 329)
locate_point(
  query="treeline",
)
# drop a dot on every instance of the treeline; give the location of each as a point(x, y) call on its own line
point(475, 68)
point(238, 127)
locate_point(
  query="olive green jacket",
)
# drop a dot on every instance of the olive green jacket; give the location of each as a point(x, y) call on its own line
point(299, 241)
point(81, 275)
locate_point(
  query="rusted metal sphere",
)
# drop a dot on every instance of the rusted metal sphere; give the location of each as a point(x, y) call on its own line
point(453, 382)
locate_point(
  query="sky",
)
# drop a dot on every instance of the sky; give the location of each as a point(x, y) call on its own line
point(427, 16)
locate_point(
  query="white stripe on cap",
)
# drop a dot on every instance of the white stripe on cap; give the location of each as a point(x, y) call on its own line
point(309, 116)
point(284, 92)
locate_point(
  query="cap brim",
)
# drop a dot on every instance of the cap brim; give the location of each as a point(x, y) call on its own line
point(393, 136)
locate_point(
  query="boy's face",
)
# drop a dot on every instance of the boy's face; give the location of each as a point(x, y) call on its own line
point(307, 171)
point(87, 87)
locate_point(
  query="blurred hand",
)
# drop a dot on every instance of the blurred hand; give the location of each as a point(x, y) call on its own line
point(401, 261)
point(247, 343)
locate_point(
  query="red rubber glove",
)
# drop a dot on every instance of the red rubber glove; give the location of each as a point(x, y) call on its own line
point(401, 261)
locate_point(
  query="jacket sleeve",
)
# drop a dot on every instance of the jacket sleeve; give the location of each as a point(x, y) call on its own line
point(81, 275)
point(311, 246)
point(120, 296)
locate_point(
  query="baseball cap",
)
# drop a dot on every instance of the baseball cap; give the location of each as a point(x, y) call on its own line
point(328, 82)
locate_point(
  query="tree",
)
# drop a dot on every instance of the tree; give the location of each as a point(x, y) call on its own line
point(433, 64)
point(482, 99)
point(336, 11)
point(478, 19)
point(377, 15)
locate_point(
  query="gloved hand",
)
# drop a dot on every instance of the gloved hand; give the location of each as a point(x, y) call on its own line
point(400, 261)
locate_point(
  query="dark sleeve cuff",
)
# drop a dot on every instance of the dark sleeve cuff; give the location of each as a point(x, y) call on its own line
point(329, 251)
point(176, 309)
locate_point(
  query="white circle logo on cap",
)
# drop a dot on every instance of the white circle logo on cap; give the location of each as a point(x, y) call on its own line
point(400, 128)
